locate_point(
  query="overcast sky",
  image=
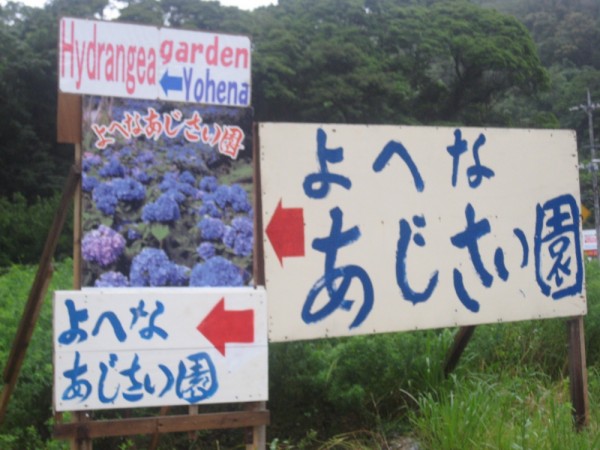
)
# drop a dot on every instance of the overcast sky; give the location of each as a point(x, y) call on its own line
point(243, 4)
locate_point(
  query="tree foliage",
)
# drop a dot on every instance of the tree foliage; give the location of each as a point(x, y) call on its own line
point(357, 61)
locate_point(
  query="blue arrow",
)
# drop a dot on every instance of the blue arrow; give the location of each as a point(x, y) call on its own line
point(171, 83)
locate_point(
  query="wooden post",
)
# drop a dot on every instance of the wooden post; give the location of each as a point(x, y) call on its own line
point(156, 435)
point(77, 225)
point(80, 443)
point(36, 295)
point(578, 373)
point(461, 340)
point(259, 433)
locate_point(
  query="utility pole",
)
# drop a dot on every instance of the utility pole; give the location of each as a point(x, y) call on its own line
point(589, 108)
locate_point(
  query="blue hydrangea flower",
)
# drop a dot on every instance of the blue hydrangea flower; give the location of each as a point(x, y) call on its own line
point(175, 195)
point(211, 229)
point(229, 236)
point(185, 156)
point(133, 235)
point(206, 250)
point(88, 182)
point(105, 198)
point(126, 152)
point(240, 236)
point(238, 198)
point(141, 175)
point(209, 184)
point(128, 190)
point(187, 177)
point(217, 271)
point(152, 267)
point(221, 196)
point(103, 246)
point(163, 210)
point(169, 180)
point(90, 160)
point(113, 168)
point(112, 279)
point(145, 157)
point(209, 208)
point(171, 183)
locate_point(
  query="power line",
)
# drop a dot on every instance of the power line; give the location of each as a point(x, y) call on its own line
point(589, 108)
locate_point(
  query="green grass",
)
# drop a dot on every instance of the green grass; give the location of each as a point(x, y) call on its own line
point(504, 412)
point(510, 390)
point(26, 425)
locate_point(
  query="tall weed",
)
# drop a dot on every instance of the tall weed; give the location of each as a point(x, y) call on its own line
point(502, 412)
point(29, 411)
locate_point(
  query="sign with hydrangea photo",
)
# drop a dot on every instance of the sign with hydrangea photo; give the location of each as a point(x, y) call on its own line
point(167, 194)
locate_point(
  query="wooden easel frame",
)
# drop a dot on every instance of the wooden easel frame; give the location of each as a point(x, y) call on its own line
point(82, 430)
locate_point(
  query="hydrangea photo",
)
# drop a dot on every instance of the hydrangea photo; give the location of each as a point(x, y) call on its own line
point(167, 194)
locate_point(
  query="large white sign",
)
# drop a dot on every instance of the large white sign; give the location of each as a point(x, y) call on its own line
point(123, 60)
point(123, 348)
point(387, 228)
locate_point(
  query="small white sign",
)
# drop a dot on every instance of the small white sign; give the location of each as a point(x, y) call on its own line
point(123, 60)
point(372, 229)
point(125, 348)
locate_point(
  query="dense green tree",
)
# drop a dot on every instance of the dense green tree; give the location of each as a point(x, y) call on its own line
point(27, 96)
point(31, 162)
point(388, 61)
point(320, 60)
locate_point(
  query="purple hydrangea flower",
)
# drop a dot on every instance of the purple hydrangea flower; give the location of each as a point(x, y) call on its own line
point(105, 198)
point(152, 267)
point(128, 190)
point(163, 210)
point(103, 246)
point(209, 184)
point(240, 236)
point(112, 279)
point(217, 271)
point(211, 229)
point(206, 250)
point(88, 182)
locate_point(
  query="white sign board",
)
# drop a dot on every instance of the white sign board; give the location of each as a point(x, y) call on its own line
point(124, 348)
point(590, 246)
point(122, 60)
point(387, 228)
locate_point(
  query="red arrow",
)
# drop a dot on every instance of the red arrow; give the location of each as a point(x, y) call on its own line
point(286, 232)
point(221, 327)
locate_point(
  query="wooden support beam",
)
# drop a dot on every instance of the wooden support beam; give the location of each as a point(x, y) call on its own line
point(257, 436)
point(36, 294)
point(462, 338)
point(578, 373)
point(161, 424)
